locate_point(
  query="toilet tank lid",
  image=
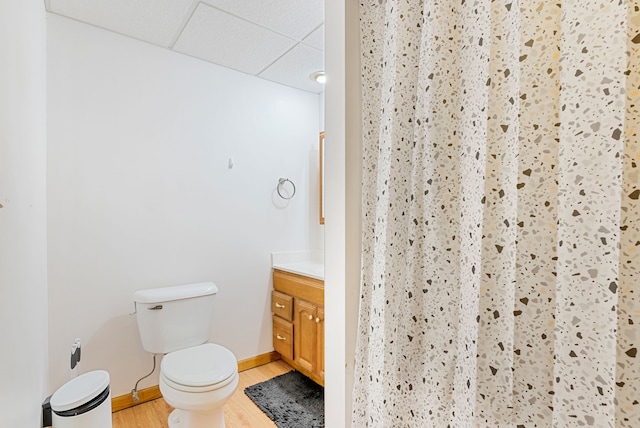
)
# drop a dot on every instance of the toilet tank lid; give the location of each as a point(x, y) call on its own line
point(176, 292)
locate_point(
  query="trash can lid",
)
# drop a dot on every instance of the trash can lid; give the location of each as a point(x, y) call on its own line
point(80, 390)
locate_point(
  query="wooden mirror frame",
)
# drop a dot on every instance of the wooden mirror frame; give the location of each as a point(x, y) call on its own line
point(321, 173)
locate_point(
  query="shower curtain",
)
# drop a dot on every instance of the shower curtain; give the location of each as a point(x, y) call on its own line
point(501, 214)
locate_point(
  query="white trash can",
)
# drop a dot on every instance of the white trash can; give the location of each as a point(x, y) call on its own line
point(83, 402)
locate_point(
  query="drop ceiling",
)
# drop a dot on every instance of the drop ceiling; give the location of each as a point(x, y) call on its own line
point(278, 40)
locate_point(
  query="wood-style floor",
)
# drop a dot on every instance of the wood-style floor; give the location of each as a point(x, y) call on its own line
point(239, 412)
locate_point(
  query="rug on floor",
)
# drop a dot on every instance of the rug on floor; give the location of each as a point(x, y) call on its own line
point(290, 400)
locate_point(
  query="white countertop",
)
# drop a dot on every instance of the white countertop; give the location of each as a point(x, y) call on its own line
point(306, 263)
point(309, 268)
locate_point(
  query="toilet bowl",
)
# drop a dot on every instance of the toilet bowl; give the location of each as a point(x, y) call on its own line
point(196, 377)
point(197, 382)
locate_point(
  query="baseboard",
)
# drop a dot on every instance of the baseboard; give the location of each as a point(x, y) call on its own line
point(152, 393)
point(125, 401)
point(258, 360)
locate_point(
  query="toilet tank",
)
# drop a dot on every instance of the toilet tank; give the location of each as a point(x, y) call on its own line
point(173, 318)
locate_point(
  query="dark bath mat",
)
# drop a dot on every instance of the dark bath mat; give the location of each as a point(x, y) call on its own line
point(290, 400)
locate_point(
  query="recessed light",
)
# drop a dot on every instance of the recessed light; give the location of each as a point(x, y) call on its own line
point(318, 76)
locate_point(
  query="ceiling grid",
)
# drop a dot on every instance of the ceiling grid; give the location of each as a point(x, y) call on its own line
point(277, 40)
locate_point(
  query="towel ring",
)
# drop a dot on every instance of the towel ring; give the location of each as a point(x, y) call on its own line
point(281, 183)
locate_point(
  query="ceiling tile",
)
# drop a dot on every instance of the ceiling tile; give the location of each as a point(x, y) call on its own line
point(294, 68)
point(316, 39)
point(155, 21)
point(293, 18)
point(223, 39)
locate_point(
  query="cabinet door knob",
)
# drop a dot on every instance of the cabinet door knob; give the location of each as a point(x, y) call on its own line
point(280, 337)
point(310, 317)
point(317, 320)
point(278, 305)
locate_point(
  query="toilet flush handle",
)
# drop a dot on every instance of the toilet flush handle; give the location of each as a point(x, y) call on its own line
point(155, 308)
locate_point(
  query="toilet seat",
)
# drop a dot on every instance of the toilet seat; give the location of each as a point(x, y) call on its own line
point(199, 369)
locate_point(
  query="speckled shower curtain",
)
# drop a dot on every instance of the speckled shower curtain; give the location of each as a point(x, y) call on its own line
point(501, 214)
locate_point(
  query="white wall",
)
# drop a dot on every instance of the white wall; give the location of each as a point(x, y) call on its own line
point(23, 262)
point(353, 190)
point(343, 199)
point(321, 101)
point(140, 194)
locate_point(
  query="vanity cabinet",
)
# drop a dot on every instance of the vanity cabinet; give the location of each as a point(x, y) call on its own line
point(297, 303)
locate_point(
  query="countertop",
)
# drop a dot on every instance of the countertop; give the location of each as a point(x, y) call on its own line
point(306, 263)
point(312, 269)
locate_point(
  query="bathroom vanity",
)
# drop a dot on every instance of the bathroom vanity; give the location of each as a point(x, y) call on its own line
point(297, 303)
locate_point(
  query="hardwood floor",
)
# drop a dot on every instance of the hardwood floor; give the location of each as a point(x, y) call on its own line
point(240, 412)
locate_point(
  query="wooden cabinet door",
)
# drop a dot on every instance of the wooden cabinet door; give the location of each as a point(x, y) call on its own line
point(305, 346)
point(320, 341)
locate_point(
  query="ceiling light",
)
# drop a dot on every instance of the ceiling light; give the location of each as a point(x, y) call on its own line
point(318, 76)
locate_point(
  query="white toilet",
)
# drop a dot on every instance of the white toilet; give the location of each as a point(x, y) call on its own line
point(196, 378)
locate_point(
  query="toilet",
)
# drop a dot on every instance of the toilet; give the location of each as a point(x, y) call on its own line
point(196, 378)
